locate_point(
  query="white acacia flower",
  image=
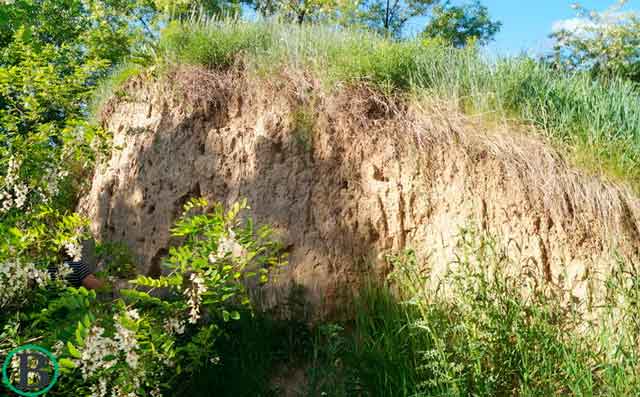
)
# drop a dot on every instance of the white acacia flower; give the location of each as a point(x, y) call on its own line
point(41, 277)
point(12, 172)
point(57, 348)
point(99, 390)
point(53, 180)
point(101, 352)
point(174, 326)
point(64, 270)
point(194, 294)
point(74, 250)
point(7, 201)
point(133, 314)
point(228, 245)
point(13, 194)
point(21, 191)
point(127, 343)
point(15, 277)
point(132, 359)
point(96, 348)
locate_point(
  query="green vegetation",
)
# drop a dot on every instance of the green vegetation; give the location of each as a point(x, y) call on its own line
point(455, 24)
point(598, 123)
point(304, 123)
point(160, 331)
point(60, 61)
point(459, 25)
point(478, 336)
point(605, 44)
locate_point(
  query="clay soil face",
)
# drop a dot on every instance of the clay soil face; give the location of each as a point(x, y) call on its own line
point(346, 178)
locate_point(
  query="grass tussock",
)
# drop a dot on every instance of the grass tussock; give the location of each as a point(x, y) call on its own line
point(597, 123)
point(112, 87)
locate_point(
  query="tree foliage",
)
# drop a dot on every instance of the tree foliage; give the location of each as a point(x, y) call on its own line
point(300, 11)
point(607, 43)
point(454, 24)
point(390, 16)
point(145, 343)
point(459, 25)
point(52, 54)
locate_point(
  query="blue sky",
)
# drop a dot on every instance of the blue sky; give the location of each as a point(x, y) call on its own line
point(526, 24)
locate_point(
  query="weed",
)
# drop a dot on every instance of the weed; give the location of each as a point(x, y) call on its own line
point(481, 335)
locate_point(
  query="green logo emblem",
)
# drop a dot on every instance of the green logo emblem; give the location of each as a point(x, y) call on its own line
point(33, 360)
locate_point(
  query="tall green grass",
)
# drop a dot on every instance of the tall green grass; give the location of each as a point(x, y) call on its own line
point(480, 336)
point(483, 337)
point(598, 122)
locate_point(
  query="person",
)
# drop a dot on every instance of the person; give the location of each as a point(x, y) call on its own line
point(80, 275)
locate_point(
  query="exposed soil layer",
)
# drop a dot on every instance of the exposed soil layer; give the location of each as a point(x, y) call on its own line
point(345, 179)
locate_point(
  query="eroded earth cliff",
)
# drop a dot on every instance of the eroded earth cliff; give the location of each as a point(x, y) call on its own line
point(346, 178)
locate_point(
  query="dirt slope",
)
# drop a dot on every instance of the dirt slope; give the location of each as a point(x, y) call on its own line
point(346, 178)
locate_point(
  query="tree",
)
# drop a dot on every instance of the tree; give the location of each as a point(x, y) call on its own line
point(52, 54)
point(178, 9)
point(390, 16)
point(300, 11)
point(459, 25)
point(606, 44)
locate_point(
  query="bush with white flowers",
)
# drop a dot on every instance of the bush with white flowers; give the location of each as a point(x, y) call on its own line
point(164, 330)
point(16, 279)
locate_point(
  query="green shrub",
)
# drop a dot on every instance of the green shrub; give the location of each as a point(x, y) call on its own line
point(117, 260)
point(164, 331)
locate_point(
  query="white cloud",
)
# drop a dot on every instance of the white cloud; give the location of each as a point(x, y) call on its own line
point(577, 25)
point(597, 20)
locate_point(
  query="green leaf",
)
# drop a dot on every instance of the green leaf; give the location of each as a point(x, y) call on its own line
point(66, 363)
point(73, 351)
point(227, 296)
point(80, 333)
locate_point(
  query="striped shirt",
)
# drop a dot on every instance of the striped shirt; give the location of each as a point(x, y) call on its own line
point(79, 271)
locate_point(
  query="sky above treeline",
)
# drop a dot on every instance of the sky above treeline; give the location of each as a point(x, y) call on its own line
point(526, 24)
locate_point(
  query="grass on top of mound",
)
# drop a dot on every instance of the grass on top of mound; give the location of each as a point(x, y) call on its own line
point(596, 123)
